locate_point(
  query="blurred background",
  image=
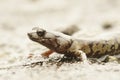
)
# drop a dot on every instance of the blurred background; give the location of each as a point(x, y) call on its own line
point(18, 17)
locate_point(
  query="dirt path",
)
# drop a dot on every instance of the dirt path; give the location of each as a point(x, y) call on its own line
point(17, 17)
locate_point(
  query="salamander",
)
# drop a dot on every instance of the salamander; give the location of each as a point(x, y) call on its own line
point(95, 47)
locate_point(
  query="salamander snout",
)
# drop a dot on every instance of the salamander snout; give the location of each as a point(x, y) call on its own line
point(33, 36)
point(29, 34)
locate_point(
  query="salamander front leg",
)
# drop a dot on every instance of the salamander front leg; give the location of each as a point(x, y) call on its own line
point(46, 54)
point(82, 56)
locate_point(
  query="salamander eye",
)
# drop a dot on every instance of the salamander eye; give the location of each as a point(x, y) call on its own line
point(41, 32)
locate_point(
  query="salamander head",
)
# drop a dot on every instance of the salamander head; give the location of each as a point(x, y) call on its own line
point(37, 35)
point(53, 41)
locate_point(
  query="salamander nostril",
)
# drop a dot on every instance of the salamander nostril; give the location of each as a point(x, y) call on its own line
point(29, 34)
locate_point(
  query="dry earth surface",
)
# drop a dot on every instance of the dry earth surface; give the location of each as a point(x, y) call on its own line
point(17, 17)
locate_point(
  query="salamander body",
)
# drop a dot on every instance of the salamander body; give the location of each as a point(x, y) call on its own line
point(93, 47)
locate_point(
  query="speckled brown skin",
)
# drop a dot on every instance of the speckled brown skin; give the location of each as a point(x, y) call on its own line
point(100, 47)
point(63, 44)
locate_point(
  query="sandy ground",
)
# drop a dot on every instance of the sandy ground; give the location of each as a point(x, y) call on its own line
point(18, 17)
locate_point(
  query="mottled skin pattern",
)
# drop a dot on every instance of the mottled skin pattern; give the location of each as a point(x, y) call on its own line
point(63, 44)
point(100, 47)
